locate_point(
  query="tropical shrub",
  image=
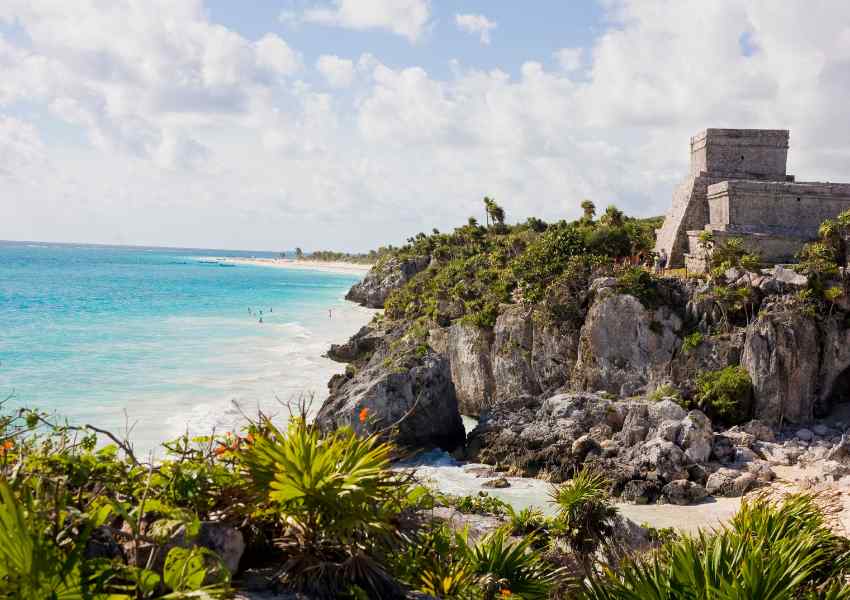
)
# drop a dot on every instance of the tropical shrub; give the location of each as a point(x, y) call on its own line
point(585, 510)
point(770, 550)
point(336, 498)
point(725, 394)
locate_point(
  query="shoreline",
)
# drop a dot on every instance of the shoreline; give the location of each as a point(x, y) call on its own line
point(342, 268)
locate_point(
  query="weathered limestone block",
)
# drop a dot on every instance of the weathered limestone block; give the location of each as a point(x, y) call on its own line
point(385, 277)
point(780, 355)
point(624, 347)
point(468, 350)
point(418, 399)
point(511, 355)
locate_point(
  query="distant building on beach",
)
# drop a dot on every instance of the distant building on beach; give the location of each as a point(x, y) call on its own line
point(738, 187)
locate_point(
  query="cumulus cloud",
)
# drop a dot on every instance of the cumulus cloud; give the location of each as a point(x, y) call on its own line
point(570, 59)
point(188, 122)
point(407, 18)
point(339, 72)
point(476, 25)
point(21, 147)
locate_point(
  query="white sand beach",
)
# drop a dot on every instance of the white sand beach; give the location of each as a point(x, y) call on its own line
point(291, 263)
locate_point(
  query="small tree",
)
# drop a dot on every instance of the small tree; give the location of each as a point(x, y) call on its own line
point(299, 253)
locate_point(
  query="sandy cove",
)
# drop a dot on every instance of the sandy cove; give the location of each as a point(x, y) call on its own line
point(290, 263)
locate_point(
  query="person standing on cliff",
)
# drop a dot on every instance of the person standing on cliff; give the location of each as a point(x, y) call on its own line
point(662, 260)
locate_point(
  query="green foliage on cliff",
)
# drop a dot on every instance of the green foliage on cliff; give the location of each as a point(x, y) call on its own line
point(725, 394)
point(475, 268)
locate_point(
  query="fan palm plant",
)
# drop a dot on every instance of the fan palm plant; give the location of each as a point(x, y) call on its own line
point(336, 497)
point(769, 551)
point(585, 511)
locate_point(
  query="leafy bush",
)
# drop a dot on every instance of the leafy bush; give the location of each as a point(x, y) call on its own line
point(725, 394)
point(640, 284)
point(480, 504)
point(692, 342)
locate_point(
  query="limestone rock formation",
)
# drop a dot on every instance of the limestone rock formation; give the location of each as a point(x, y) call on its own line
point(385, 277)
point(624, 346)
point(781, 356)
point(468, 352)
point(512, 345)
point(416, 398)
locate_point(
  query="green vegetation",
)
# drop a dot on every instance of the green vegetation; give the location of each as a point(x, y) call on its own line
point(665, 391)
point(478, 268)
point(327, 512)
point(781, 551)
point(692, 341)
point(368, 258)
point(725, 395)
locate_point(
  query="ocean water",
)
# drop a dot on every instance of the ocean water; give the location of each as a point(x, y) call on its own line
point(162, 339)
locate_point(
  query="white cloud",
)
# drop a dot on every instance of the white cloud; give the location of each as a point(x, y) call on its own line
point(199, 136)
point(21, 148)
point(339, 72)
point(407, 18)
point(476, 25)
point(570, 59)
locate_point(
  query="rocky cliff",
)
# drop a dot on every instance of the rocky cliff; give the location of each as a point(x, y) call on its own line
point(615, 380)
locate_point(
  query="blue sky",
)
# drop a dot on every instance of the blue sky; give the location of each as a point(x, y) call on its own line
point(525, 31)
point(347, 124)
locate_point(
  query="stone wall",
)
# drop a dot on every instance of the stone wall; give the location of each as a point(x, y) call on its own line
point(741, 153)
point(718, 155)
point(770, 248)
point(790, 209)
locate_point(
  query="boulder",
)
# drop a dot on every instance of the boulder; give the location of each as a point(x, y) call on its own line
point(696, 436)
point(789, 278)
point(223, 539)
point(640, 491)
point(497, 483)
point(805, 434)
point(383, 278)
point(730, 483)
point(683, 492)
point(468, 350)
point(416, 399)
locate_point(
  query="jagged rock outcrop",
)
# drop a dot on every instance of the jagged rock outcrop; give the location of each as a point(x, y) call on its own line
point(408, 393)
point(385, 277)
point(781, 353)
point(625, 347)
point(512, 344)
point(468, 350)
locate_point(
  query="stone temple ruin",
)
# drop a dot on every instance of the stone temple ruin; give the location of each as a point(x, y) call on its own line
point(738, 187)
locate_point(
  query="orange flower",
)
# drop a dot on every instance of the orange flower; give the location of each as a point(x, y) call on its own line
point(249, 438)
point(7, 445)
point(506, 593)
point(364, 414)
point(220, 449)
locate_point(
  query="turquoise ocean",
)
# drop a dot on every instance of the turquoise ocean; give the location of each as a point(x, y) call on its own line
point(162, 339)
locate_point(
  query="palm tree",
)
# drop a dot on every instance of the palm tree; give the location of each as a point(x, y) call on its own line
point(589, 209)
point(494, 213)
point(613, 216)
